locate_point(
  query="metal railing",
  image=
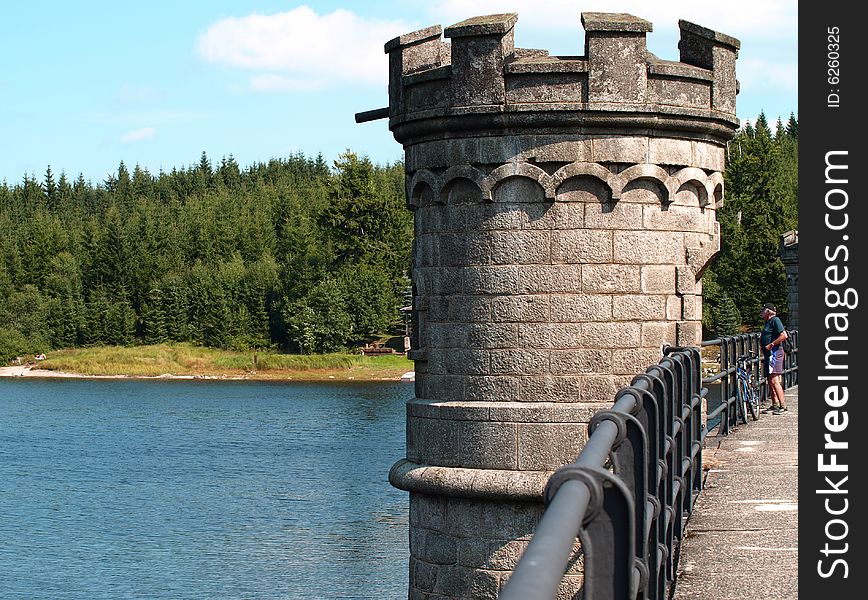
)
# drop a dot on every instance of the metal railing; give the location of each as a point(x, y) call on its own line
point(629, 493)
point(731, 347)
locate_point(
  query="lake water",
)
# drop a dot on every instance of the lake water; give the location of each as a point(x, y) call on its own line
point(201, 490)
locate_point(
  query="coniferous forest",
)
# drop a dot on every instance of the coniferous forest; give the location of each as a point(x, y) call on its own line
point(292, 254)
point(295, 254)
point(761, 203)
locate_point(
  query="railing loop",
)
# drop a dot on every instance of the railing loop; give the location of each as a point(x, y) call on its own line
point(619, 419)
point(586, 475)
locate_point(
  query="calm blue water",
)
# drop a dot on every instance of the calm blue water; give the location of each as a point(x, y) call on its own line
point(201, 490)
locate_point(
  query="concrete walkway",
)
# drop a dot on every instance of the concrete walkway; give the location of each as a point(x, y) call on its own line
point(742, 538)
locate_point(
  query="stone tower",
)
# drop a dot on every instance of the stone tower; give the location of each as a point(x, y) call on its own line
point(564, 212)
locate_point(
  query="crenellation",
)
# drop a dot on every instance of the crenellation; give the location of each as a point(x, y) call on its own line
point(481, 47)
point(702, 47)
point(617, 57)
point(485, 75)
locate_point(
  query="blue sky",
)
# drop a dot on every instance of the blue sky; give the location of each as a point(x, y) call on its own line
point(86, 85)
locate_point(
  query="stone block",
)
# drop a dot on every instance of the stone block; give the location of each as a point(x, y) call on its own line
point(488, 445)
point(670, 151)
point(534, 279)
point(648, 247)
point(490, 216)
point(602, 388)
point(549, 388)
point(445, 281)
point(428, 512)
point(557, 215)
point(552, 87)
point(708, 156)
point(581, 246)
point(505, 556)
point(474, 553)
point(580, 308)
point(519, 362)
point(429, 219)
point(658, 279)
point(632, 361)
point(496, 279)
point(611, 278)
point(639, 308)
point(617, 70)
point(464, 361)
point(547, 446)
point(677, 217)
point(691, 308)
point(490, 335)
point(611, 335)
point(521, 309)
point(618, 215)
point(433, 441)
point(475, 519)
point(448, 335)
point(433, 547)
point(438, 385)
point(685, 280)
point(689, 333)
point(463, 249)
point(490, 388)
point(520, 247)
point(550, 335)
point(480, 47)
point(519, 189)
point(658, 334)
point(469, 309)
point(668, 90)
point(581, 361)
point(423, 578)
point(427, 95)
point(620, 149)
point(674, 308)
point(544, 149)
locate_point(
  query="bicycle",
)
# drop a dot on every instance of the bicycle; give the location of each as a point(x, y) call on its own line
point(747, 394)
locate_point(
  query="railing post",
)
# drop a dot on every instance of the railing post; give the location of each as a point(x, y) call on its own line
point(606, 535)
point(630, 456)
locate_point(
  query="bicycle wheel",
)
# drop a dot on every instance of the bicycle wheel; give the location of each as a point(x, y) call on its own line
point(752, 402)
point(741, 402)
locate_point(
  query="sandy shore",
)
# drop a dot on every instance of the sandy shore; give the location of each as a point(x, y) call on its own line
point(31, 371)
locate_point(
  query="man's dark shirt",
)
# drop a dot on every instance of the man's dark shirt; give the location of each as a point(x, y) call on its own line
point(771, 330)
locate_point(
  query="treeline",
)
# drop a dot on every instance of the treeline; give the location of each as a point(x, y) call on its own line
point(292, 254)
point(760, 205)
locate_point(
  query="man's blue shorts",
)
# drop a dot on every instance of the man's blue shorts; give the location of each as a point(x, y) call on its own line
point(775, 361)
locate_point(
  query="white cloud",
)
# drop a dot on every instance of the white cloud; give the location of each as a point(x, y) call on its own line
point(300, 49)
point(138, 135)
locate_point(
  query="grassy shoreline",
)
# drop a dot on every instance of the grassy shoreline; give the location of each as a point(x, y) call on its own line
point(186, 360)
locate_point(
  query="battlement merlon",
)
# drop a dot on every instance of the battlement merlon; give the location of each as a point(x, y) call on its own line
point(478, 80)
point(410, 53)
point(481, 47)
point(707, 49)
point(616, 51)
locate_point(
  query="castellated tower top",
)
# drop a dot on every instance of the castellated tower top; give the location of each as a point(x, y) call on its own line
point(479, 81)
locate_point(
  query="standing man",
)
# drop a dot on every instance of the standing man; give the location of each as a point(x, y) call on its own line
point(771, 338)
